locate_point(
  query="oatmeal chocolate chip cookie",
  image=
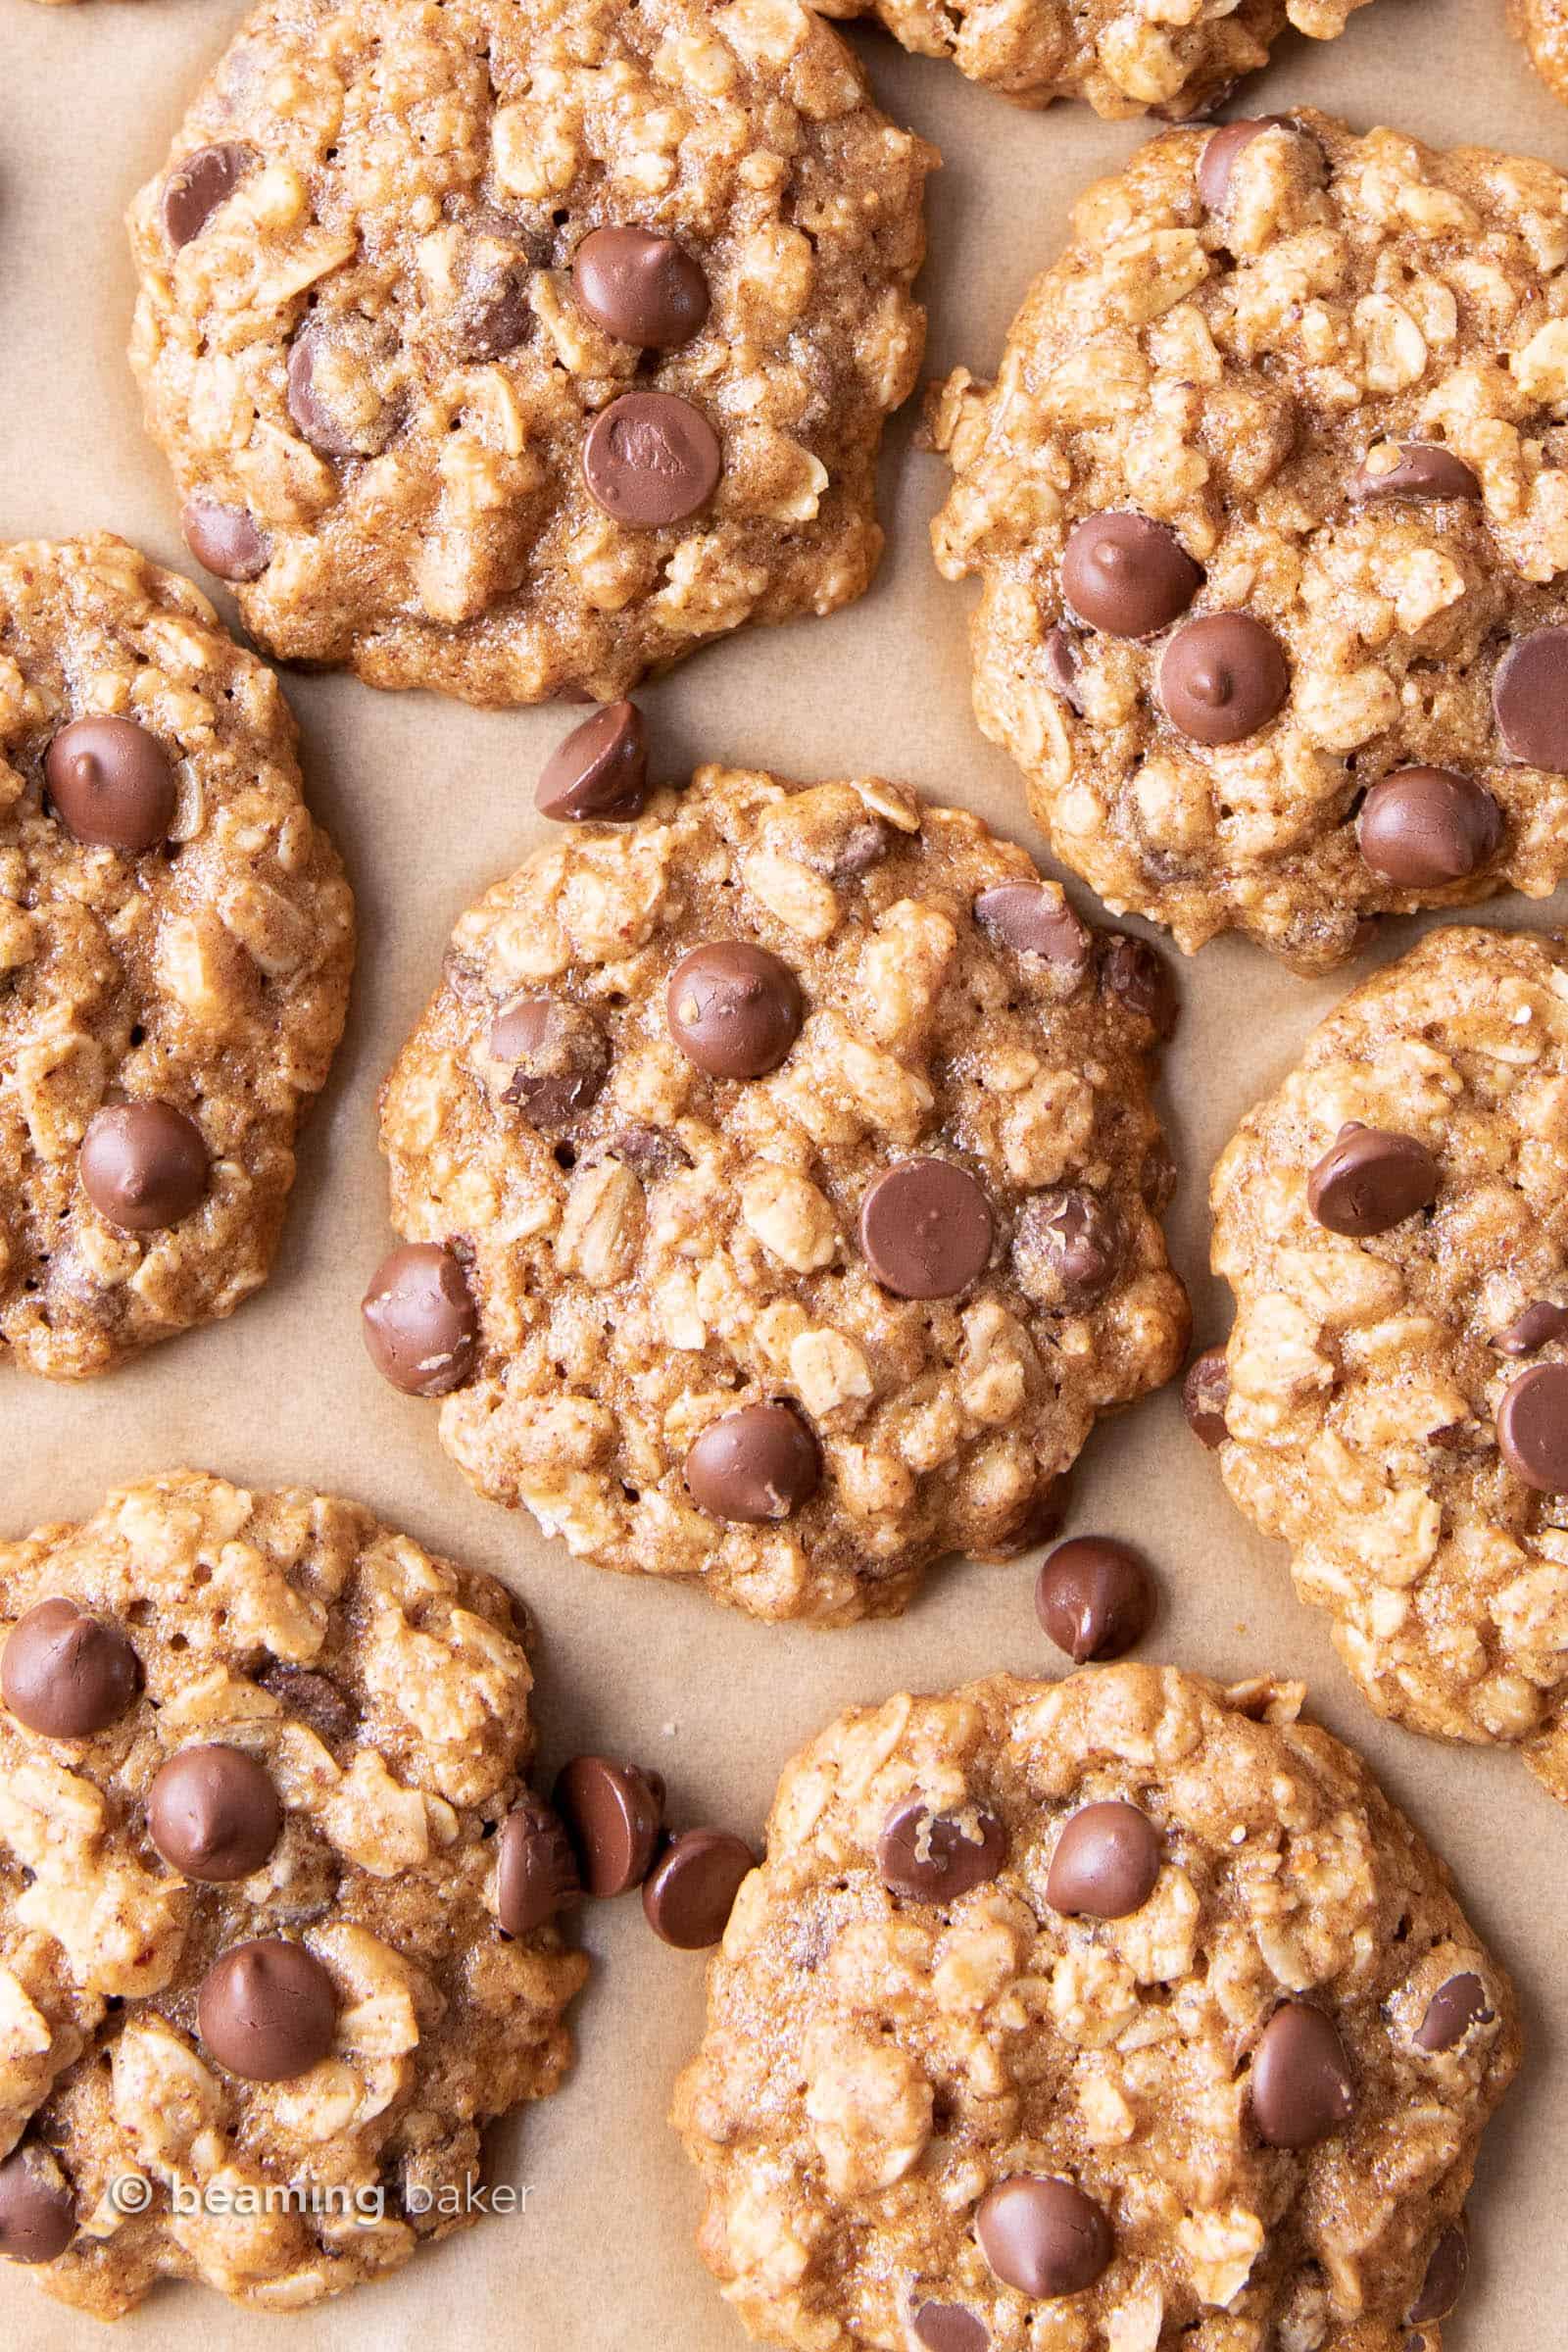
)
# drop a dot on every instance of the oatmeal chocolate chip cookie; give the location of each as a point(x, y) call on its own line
point(1270, 512)
point(545, 400)
point(270, 1912)
point(177, 938)
point(1394, 1398)
point(1123, 2011)
point(1125, 59)
point(1542, 27)
point(780, 1191)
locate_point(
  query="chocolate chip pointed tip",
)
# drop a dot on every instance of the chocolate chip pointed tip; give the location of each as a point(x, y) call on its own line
point(599, 773)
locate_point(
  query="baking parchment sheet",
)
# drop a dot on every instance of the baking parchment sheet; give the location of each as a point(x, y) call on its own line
point(429, 802)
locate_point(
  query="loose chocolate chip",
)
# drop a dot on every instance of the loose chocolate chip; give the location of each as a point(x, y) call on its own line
point(1105, 1863)
point(1533, 1428)
point(1095, 1597)
point(1368, 1180)
point(143, 1165)
point(313, 1698)
point(642, 288)
point(1530, 699)
point(558, 1056)
point(1301, 2090)
point(1446, 2273)
point(949, 2327)
point(691, 1892)
point(419, 1321)
point(926, 1229)
point(195, 188)
point(1127, 575)
point(599, 774)
point(37, 2211)
point(735, 1010)
point(213, 1814)
point(1421, 827)
point(1223, 677)
point(1537, 1326)
point(225, 539)
point(651, 459)
point(1061, 659)
point(536, 1870)
point(1205, 1393)
point(1221, 149)
point(1422, 469)
point(1066, 1248)
point(1043, 2236)
point(1452, 2010)
point(935, 1857)
point(111, 784)
point(267, 2010)
point(1139, 977)
point(67, 1675)
point(612, 1814)
point(756, 1464)
point(1033, 920)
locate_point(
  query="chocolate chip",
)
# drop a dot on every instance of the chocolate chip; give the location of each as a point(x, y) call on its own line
point(1095, 1597)
point(1421, 827)
point(1446, 2273)
point(313, 1698)
point(1043, 2236)
point(37, 2211)
point(1034, 920)
point(558, 1056)
point(536, 1870)
point(926, 1229)
point(1127, 575)
point(1205, 1393)
point(639, 287)
point(949, 2327)
point(1223, 679)
point(1138, 976)
point(419, 1321)
point(691, 1892)
point(1301, 2090)
point(495, 314)
point(864, 845)
point(612, 1814)
point(1221, 149)
point(1066, 1248)
point(651, 459)
point(1452, 2010)
point(1106, 1864)
point(143, 1165)
point(652, 1150)
point(1368, 1180)
point(1061, 659)
point(346, 418)
point(735, 1010)
point(758, 1464)
point(599, 774)
point(1422, 469)
point(1533, 1428)
point(267, 2010)
point(111, 784)
point(225, 539)
point(67, 1675)
point(213, 1814)
point(1537, 1326)
point(1530, 700)
point(195, 188)
point(935, 1857)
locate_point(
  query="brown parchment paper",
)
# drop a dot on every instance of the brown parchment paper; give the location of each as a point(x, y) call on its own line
point(429, 802)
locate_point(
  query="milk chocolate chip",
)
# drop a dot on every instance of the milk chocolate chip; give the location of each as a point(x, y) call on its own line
point(1530, 700)
point(599, 774)
point(1139, 977)
point(756, 1464)
point(1447, 2272)
point(1066, 1248)
point(1223, 677)
point(1536, 1326)
point(1533, 1428)
point(1106, 1864)
point(419, 1322)
point(267, 2010)
point(640, 287)
point(1095, 1597)
point(949, 2327)
point(1368, 1180)
point(37, 2211)
point(926, 1229)
point(1422, 469)
point(613, 1815)
point(143, 1165)
point(1033, 920)
point(1452, 2010)
point(1205, 1393)
point(690, 1893)
point(225, 539)
point(1422, 827)
point(1043, 2236)
point(195, 188)
point(67, 1675)
point(536, 1870)
point(213, 1814)
point(111, 784)
point(1127, 575)
point(1221, 149)
point(651, 459)
point(734, 1010)
point(1302, 2089)
point(935, 1857)
point(558, 1058)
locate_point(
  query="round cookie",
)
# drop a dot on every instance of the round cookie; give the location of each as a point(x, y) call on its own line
point(1394, 1223)
point(255, 1752)
point(782, 1190)
point(544, 403)
point(177, 938)
point(1271, 533)
point(1542, 27)
point(1124, 59)
point(1122, 2011)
